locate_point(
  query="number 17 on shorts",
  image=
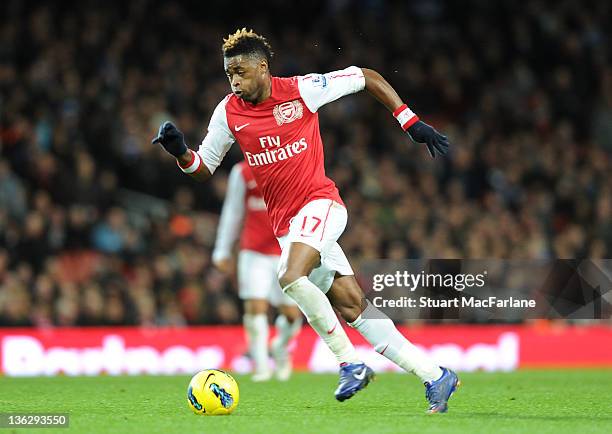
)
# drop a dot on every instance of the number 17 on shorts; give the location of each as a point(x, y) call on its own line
point(319, 223)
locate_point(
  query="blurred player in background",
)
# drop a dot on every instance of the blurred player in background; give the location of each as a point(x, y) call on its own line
point(258, 285)
point(276, 124)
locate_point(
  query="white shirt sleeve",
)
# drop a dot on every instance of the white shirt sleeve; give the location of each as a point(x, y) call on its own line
point(319, 89)
point(232, 214)
point(218, 140)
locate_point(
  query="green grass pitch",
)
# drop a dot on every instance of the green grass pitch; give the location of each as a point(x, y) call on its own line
point(521, 402)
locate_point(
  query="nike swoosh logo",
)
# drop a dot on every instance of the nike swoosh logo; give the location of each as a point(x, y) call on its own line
point(361, 375)
point(329, 332)
point(239, 127)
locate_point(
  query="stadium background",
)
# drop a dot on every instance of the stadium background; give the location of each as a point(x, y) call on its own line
point(99, 228)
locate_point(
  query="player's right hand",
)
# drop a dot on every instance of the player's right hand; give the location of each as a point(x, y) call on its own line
point(171, 138)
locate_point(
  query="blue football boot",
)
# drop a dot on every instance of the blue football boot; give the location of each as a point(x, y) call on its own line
point(438, 392)
point(353, 378)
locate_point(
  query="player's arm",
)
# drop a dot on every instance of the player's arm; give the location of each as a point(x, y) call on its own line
point(380, 89)
point(418, 130)
point(319, 89)
point(202, 164)
point(231, 218)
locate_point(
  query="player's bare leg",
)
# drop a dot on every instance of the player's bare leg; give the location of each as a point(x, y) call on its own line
point(256, 325)
point(347, 297)
point(288, 324)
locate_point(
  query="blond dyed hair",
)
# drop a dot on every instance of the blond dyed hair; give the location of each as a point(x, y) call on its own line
point(244, 41)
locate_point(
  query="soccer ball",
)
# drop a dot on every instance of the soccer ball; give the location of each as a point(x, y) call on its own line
point(212, 392)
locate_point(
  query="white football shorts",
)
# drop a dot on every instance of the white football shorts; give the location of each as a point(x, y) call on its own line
point(319, 224)
point(258, 278)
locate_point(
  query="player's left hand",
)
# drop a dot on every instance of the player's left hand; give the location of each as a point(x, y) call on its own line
point(420, 132)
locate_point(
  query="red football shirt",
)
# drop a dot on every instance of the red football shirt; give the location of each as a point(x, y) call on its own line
point(281, 141)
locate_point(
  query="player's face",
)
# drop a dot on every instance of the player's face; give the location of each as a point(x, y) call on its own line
point(247, 75)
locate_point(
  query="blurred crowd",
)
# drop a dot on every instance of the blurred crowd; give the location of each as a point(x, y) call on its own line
point(98, 226)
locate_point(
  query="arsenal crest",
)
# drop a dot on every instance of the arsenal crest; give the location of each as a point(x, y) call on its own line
point(288, 112)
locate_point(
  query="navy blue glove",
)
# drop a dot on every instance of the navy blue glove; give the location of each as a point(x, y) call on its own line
point(171, 138)
point(420, 132)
